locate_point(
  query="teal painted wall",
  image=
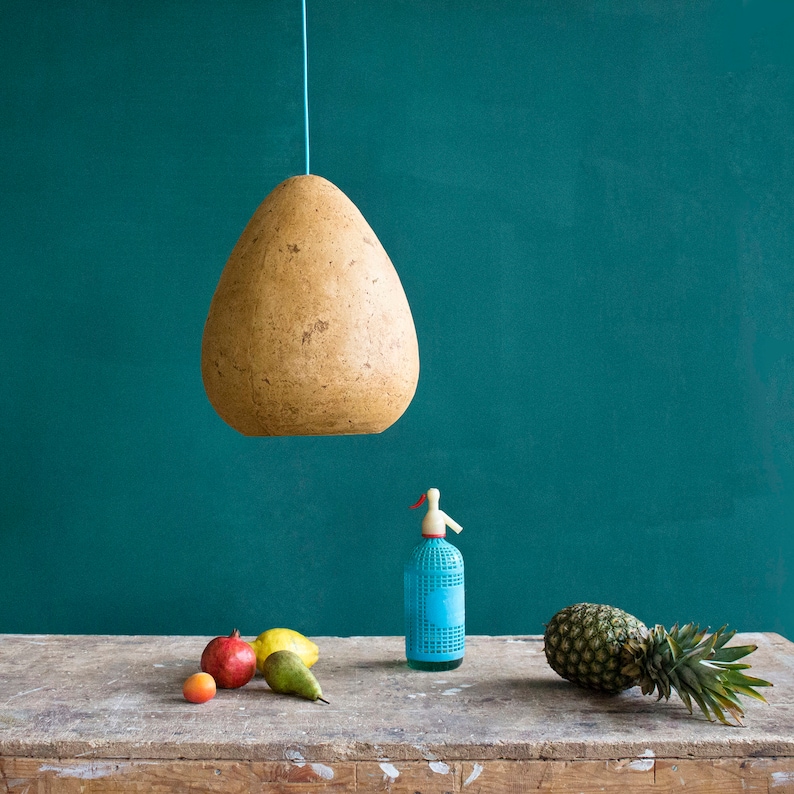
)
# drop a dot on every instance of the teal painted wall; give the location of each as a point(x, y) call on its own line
point(591, 208)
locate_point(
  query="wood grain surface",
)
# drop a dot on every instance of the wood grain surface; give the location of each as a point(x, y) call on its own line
point(105, 713)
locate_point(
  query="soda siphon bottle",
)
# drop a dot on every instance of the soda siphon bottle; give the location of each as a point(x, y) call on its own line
point(435, 626)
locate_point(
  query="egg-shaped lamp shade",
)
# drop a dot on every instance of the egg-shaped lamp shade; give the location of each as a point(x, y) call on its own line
point(309, 331)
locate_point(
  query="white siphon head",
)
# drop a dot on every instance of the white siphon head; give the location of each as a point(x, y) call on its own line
point(436, 521)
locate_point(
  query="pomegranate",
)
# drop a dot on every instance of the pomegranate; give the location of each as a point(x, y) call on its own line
point(229, 660)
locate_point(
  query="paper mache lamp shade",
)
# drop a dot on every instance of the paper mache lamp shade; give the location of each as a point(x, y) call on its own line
point(309, 331)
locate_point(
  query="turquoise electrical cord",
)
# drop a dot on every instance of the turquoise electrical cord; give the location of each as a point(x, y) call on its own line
point(306, 86)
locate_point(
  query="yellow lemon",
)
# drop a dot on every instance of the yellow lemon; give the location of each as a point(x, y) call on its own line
point(284, 640)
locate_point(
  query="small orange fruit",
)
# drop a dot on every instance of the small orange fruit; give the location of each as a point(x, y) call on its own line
point(199, 688)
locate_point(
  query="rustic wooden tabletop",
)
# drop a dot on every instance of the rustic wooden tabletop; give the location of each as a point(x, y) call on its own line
point(77, 709)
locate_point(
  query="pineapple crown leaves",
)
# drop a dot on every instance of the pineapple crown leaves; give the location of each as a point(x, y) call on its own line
point(698, 666)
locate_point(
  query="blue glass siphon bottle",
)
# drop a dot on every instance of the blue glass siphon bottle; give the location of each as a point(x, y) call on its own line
point(435, 613)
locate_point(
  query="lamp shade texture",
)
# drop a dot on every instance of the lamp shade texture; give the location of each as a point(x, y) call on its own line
point(309, 331)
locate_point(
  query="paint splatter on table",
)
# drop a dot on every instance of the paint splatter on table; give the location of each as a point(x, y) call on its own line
point(106, 713)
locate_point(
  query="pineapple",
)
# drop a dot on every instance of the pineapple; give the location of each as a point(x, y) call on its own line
point(604, 648)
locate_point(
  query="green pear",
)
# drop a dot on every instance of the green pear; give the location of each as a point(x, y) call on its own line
point(285, 672)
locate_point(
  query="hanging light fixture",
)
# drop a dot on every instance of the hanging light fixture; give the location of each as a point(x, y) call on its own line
point(309, 331)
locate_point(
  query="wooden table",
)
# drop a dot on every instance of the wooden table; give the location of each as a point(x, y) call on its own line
point(106, 714)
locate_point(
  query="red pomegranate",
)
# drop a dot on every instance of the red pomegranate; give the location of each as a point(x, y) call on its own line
point(229, 660)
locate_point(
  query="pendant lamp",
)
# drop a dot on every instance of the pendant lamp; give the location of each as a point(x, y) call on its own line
point(309, 331)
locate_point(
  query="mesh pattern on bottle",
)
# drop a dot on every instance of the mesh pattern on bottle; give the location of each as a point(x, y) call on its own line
point(434, 564)
point(433, 556)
